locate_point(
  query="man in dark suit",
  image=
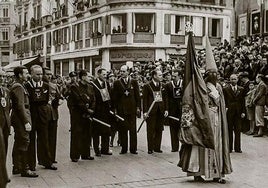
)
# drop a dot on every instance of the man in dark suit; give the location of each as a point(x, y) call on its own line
point(4, 109)
point(234, 99)
point(173, 91)
point(153, 91)
point(102, 112)
point(39, 98)
point(127, 104)
point(82, 107)
point(21, 122)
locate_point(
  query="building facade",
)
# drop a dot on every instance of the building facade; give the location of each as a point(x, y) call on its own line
point(70, 35)
point(7, 25)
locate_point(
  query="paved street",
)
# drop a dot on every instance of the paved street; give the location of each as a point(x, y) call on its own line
point(142, 170)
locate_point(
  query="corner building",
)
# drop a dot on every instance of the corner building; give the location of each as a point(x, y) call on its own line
point(69, 35)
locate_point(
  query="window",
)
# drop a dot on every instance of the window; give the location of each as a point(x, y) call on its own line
point(144, 22)
point(179, 25)
point(97, 27)
point(48, 39)
point(4, 34)
point(198, 24)
point(119, 23)
point(5, 12)
point(65, 35)
point(88, 29)
point(78, 32)
point(37, 12)
point(215, 27)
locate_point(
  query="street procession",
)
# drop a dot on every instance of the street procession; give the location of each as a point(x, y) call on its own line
point(110, 93)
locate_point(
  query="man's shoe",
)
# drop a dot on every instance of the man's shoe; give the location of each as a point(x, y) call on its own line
point(174, 150)
point(15, 171)
point(150, 152)
point(75, 160)
point(122, 152)
point(29, 174)
point(219, 180)
point(55, 162)
point(198, 179)
point(52, 167)
point(88, 158)
point(134, 152)
point(107, 153)
point(258, 135)
point(239, 151)
point(158, 151)
point(9, 180)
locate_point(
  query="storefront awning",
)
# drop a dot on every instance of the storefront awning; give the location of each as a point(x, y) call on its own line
point(19, 63)
point(76, 54)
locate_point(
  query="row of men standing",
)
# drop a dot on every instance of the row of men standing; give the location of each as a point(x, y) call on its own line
point(90, 100)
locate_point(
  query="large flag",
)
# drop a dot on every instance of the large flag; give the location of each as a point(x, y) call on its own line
point(195, 121)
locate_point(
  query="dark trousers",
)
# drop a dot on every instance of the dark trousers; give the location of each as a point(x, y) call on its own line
point(154, 131)
point(3, 170)
point(52, 138)
point(234, 127)
point(39, 132)
point(6, 132)
point(174, 135)
point(104, 138)
point(80, 136)
point(128, 126)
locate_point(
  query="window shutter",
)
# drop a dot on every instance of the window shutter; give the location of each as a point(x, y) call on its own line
point(133, 23)
point(204, 26)
point(167, 24)
point(209, 27)
point(108, 25)
point(73, 33)
point(32, 43)
point(103, 25)
point(91, 28)
point(155, 23)
point(221, 28)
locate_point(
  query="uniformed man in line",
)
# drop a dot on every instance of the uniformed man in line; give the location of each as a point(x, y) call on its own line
point(3, 171)
point(173, 91)
point(127, 104)
point(54, 101)
point(21, 122)
point(154, 91)
point(4, 109)
point(39, 99)
point(102, 112)
point(82, 108)
point(66, 87)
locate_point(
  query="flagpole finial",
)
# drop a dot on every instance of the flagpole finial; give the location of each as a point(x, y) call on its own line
point(188, 27)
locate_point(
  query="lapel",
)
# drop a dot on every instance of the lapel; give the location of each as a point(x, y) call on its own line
point(232, 91)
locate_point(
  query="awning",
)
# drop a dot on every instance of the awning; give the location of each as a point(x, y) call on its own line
point(76, 54)
point(19, 63)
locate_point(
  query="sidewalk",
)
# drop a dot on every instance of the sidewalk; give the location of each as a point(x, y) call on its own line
point(142, 170)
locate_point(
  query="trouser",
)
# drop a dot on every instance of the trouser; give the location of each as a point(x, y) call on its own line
point(80, 136)
point(259, 116)
point(104, 143)
point(3, 170)
point(174, 135)
point(128, 126)
point(234, 126)
point(154, 131)
point(52, 138)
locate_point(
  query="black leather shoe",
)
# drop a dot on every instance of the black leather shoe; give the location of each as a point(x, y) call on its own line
point(107, 153)
point(158, 151)
point(174, 150)
point(15, 171)
point(88, 158)
point(29, 174)
point(55, 162)
point(52, 167)
point(239, 151)
point(75, 160)
point(150, 152)
point(134, 152)
point(9, 180)
point(258, 135)
point(198, 179)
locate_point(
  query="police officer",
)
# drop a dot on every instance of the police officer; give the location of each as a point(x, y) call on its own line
point(153, 91)
point(173, 91)
point(127, 104)
point(21, 122)
point(39, 99)
point(102, 112)
point(82, 108)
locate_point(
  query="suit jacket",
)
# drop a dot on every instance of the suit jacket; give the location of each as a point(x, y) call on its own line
point(148, 98)
point(174, 104)
point(4, 111)
point(126, 97)
point(234, 101)
point(20, 105)
point(260, 93)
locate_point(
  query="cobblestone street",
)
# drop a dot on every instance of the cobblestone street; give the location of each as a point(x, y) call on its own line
point(142, 170)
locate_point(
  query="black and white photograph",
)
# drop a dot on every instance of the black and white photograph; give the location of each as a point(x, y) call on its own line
point(133, 93)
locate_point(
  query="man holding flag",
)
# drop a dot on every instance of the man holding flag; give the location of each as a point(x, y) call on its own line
point(204, 130)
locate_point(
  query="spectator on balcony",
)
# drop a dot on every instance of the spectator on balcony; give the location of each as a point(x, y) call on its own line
point(138, 29)
point(118, 29)
point(114, 30)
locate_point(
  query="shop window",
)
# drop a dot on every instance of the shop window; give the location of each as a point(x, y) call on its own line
point(144, 22)
point(119, 23)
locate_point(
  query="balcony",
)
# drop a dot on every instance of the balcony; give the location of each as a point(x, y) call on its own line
point(198, 40)
point(177, 39)
point(4, 20)
point(215, 41)
point(4, 43)
point(35, 24)
point(119, 38)
point(17, 31)
point(141, 37)
point(47, 20)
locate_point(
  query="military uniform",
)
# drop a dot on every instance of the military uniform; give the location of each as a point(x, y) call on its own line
point(39, 97)
point(83, 99)
point(127, 101)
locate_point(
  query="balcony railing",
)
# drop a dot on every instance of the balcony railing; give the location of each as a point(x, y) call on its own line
point(87, 42)
point(79, 44)
point(177, 39)
point(4, 20)
point(4, 43)
point(119, 38)
point(214, 41)
point(198, 40)
point(65, 47)
point(57, 48)
point(143, 37)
